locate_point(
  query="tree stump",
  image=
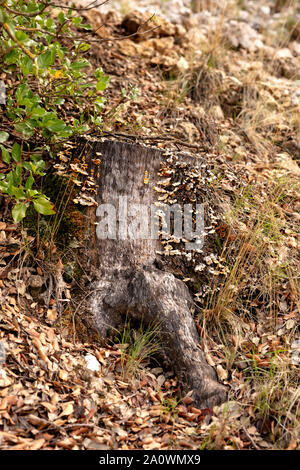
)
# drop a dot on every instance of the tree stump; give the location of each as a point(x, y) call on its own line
point(130, 286)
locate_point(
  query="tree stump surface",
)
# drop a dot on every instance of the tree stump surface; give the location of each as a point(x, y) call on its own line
point(129, 284)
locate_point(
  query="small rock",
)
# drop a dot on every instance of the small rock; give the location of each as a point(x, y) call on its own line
point(243, 35)
point(284, 54)
point(295, 358)
point(163, 44)
point(165, 62)
point(144, 23)
point(161, 380)
point(195, 36)
point(130, 48)
point(36, 281)
point(217, 113)
point(180, 31)
point(188, 130)
point(265, 10)
point(290, 324)
point(181, 67)
point(92, 363)
point(296, 344)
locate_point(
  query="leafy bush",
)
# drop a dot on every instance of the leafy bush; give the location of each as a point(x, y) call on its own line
point(49, 94)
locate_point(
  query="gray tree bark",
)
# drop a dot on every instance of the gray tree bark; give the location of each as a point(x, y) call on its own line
point(129, 284)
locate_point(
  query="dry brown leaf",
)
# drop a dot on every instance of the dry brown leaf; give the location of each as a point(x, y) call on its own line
point(5, 381)
point(49, 406)
point(68, 409)
point(39, 347)
point(222, 373)
point(292, 445)
point(37, 444)
point(66, 443)
point(51, 314)
point(63, 375)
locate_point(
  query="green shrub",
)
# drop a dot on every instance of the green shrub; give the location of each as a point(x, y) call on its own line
point(45, 73)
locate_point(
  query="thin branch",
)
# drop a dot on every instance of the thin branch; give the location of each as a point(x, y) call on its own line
point(250, 438)
point(90, 6)
point(154, 138)
point(46, 5)
point(94, 40)
point(85, 425)
point(125, 37)
point(121, 38)
point(12, 36)
point(136, 33)
point(21, 13)
point(35, 30)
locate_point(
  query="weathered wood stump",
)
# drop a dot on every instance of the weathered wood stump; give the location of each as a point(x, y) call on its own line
point(129, 284)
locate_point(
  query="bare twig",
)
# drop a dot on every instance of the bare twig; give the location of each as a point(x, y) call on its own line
point(22, 13)
point(13, 37)
point(121, 38)
point(90, 6)
point(86, 425)
point(136, 33)
point(250, 438)
point(154, 138)
point(35, 30)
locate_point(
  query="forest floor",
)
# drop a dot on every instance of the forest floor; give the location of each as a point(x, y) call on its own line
point(223, 83)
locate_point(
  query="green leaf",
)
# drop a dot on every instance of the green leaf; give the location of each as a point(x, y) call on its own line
point(10, 183)
point(55, 125)
point(61, 17)
point(32, 192)
point(25, 128)
point(98, 103)
point(17, 112)
point(5, 155)
point(46, 59)
point(86, 26)
point(77, 21)
point(29, 182)
point(59, 101)
point(19, 211)
point(84, 47)
point(80, 65)
point(60, 52)
point(23, 91)
point(49, 22)
point(27, 166)
point(43, 206)
point(17, 174)
point(16, 152)
point(12, 57)
point(26, 65)
point(21, 36)
point(37, 112)
point(102, 84)
point(18, 193)
point(3, 186)
point(3, 16)
point(3, 136)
